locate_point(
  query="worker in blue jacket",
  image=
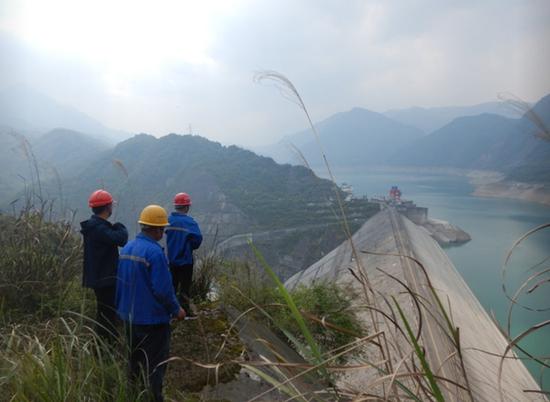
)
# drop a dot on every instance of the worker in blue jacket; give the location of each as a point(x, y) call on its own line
point(146, 300)
point(101, 242)
point(182, 237)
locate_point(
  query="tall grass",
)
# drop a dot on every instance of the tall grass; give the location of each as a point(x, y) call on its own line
point(61, 360)
point(402, 370)
point(40, 265)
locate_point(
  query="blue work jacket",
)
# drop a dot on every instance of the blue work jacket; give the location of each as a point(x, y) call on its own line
point(182, 237)
point(145, 294)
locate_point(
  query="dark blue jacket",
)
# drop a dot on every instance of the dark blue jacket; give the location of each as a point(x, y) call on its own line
point(101, 242)
point(182, 237)
point(145, 294)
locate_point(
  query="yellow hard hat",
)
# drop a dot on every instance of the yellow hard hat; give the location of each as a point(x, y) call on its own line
point(153, 215)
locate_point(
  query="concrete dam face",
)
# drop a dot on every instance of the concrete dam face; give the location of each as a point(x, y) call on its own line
point(390, 262)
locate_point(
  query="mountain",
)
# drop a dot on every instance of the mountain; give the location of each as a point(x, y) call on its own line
point(222, 179)
point(67, 151)
point(487, 141)
point(527, 156)
point(287, 210)
point(358, 137)
point(28, 111)
point(472, 142)
point(431, 119)
point(58, 154)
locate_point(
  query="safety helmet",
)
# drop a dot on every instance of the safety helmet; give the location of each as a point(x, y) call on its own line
point(153, 215)
point(100, 198)
point(182, 199)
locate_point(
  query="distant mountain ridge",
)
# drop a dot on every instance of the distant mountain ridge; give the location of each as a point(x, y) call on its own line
point(358, 137)
point(472, 142)
point(431, 119)
point(486, 141)
point(58, 154)
point(67, 150)
point(28, 111)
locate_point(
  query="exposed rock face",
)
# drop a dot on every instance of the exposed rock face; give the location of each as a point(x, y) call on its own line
point(445, 233)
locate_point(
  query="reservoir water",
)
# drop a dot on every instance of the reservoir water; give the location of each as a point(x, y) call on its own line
point(494, 225)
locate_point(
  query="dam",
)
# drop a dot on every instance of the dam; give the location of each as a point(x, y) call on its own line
point(392, 261)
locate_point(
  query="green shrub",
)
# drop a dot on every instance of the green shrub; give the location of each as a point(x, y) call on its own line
point(242, 287)
point(327, 303)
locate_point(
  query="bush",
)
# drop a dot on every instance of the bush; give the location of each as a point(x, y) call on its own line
point(203, 276)
point(242, 287)
point(322, 303)
point(40, 266)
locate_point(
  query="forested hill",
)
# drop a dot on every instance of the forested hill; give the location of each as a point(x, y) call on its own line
point(233, 190)
point(488, 141)
point(358, 137)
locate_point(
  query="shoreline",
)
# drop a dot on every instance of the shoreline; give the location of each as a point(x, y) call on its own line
point(486, 183)
point(493, 184)
point(537, 193)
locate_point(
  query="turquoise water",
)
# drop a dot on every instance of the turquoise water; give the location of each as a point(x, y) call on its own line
point(494, 225)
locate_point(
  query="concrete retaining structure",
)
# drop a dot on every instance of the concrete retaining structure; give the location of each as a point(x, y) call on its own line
point(381, 245)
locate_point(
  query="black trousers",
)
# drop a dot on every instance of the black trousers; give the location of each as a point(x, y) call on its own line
point(182, 278)
point(107, 320)
point(149, 346)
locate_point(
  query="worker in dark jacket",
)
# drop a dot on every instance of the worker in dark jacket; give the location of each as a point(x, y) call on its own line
point(101, 242)
point(182, 237)
point(146, 300)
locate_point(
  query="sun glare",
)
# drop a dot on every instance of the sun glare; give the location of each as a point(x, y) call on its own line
point(122, 37)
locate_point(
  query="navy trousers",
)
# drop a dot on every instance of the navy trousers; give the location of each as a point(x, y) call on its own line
point(107, 319)
point(149, 346)
point(182, 278)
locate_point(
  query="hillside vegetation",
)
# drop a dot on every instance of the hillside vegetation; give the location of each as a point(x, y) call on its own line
point(234, 192)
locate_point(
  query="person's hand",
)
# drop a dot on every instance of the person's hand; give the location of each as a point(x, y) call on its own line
point(181, 314)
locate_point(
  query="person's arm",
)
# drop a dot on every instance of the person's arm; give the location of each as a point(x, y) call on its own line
point(195, 236)
point(116, 234)
point(162, 286)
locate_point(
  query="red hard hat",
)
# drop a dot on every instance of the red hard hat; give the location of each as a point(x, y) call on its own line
point(182, 199)
point(100, 198)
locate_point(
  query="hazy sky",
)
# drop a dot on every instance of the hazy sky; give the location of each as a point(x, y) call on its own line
point(158, 66)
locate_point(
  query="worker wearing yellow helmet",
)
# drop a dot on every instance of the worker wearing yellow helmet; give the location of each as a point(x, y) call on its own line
point(146, 301)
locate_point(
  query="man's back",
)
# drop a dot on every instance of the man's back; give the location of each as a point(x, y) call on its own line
point(101, 242)
point(182, 237)
point(144, 288)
